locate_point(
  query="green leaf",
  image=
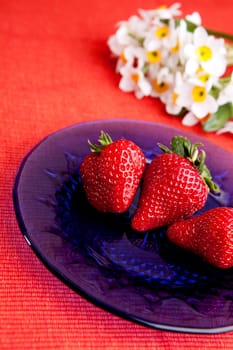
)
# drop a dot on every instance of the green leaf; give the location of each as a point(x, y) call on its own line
point(214, 91)
point(104, 140)
point(94, 148)
point(165, 149)
point(225, 81)
point(179, 145)
point(219, 119)
point(206, 175)
point(190, 26)
point(202, 158)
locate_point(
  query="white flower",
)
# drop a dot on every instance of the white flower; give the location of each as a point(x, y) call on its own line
point(155, 51)
point(160, 56)
point(162, 44)
point(170, 103)
point(228, 127)
point(170, 99)
point(226, 94)
point(190, 119)
point(206, 52)
point(114, 45)
point(157, 34)
point(132, 53)
point(162, 12)
point(196, 99)
point(179, 38)
point(161, 81)
point(133, 79)
point(126, 34)
point(131, 56)
point(194, 18)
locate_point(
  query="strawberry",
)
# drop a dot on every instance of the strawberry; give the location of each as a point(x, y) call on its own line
point(209, 235)
point(176, 185)
point(111, 173)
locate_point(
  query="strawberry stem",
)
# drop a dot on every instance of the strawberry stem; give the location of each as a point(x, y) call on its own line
point(183, 147)
point(104, 140)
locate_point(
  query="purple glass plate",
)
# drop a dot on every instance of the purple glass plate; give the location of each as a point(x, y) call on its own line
point(141, 277)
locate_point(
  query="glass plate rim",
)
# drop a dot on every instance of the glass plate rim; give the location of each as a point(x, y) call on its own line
point(68, 282)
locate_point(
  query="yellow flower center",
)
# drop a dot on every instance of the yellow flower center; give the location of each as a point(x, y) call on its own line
point(162, 32)
point(122, 57)
point(204, 53)
point(153, 56)
point(204, 77)
point(175, 48)
point(160, 87)
point(199, 94)
point(199, 70)
point(174, 97)
point(135, 77)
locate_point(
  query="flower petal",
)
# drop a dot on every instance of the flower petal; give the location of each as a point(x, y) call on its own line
point(126, 84)
point(201, 109)
point(227, 128)
point(190, 119)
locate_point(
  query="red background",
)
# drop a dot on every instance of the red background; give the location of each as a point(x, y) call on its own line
point(55, 71)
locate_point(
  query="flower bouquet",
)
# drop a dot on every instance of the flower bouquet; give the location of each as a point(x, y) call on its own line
point(161, 54)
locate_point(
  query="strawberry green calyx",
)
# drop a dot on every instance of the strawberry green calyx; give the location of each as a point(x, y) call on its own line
point(104, 140)
point(182, 146)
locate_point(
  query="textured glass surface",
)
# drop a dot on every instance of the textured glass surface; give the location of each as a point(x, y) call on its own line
point(139, 276)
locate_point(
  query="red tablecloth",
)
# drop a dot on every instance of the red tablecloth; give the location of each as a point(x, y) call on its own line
point(56, 70)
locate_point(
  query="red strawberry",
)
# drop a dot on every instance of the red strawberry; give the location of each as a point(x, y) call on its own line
point(210, 235)
point(111, 174)
point(175, 186)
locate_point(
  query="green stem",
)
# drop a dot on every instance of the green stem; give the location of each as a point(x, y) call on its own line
point(225, 80)
point(220, 34)
point(135, 37)
point(192, 26)
point(104, 140)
